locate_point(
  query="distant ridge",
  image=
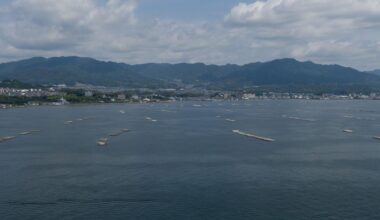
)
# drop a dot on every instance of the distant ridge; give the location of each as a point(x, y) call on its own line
point(70, 70)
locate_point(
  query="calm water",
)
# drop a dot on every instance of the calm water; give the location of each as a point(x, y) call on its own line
point(189, 164)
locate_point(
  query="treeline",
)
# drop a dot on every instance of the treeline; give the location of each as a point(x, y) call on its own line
point(22, 100)
point(15, 84)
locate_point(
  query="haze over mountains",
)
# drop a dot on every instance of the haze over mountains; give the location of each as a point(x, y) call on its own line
point(281, 72)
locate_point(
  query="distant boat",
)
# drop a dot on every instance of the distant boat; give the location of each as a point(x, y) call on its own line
point(377, 137)
point(254, 136)
point(102, 142)
point(348, 131)
point(68, 122)
point(122, 112)
point(197, 105)
point(125, 130)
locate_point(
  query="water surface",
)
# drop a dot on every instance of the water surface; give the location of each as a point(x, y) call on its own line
point(189, 164)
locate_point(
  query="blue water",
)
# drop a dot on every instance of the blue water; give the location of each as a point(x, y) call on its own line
point(189, 164)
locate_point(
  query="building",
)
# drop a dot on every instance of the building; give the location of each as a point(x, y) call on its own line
point(121, 97)
point(88, 93)
point(248, 96)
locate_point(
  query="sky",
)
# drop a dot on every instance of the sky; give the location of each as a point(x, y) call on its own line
point(345, 32)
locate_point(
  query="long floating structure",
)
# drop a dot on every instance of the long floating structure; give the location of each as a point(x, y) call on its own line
point(25, 133)
point(298, 118)
point(124, 130)
point(7, 138)
point(253, 136)
point(230, 120)
point(104, 141)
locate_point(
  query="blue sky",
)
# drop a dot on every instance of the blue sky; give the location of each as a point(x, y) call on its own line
point(342, 32)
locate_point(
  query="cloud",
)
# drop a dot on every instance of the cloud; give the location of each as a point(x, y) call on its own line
point(311, 12)
point(52, 25)
point(311, 19)
point(339, 31)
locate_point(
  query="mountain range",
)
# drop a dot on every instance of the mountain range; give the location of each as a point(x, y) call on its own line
point(281, 72)
point(377, 72)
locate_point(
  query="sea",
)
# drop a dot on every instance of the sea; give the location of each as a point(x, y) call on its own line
point(181, 160)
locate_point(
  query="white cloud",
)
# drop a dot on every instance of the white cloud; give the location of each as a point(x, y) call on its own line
point(315, 13)
point(52, 25)
point(307, 19)
point(339, 31)
point(322, 30)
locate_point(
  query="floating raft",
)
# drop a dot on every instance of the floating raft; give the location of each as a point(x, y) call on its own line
point(169, 111)
point(151, 119)
point(298, 118)
point(124, 130)
point(348, 131)
point(29, 132)
point(253, 136)
point(25, 133)
point(116, 134)
point(102, 142)
point(7, 138)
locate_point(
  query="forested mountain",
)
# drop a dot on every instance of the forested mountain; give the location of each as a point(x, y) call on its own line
point(280, 72)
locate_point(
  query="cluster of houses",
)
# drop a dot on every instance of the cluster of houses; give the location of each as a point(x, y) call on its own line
point(148, 95)
point(307, 96)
